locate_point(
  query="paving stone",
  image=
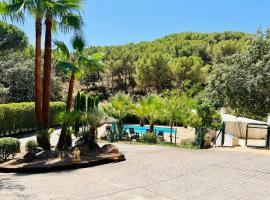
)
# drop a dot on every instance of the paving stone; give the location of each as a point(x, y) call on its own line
point(151, 172)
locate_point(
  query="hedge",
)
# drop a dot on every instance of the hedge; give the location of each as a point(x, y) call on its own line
point(20, 117)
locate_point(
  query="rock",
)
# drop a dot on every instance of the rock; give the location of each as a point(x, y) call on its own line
point(29, 156)
point(86, 148)
point(37, 150)
point(109, 148)
point(103, 137)
point(46, 155)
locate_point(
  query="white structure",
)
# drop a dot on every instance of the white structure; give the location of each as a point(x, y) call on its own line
point(236, 126)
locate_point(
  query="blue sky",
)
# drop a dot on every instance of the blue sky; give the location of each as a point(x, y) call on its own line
point(113, 22)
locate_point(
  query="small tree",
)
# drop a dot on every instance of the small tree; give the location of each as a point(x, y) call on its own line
point(119, 106)
point(74, 63)
point(94, 117)
point(151, 107)
point(204, 117)
point(176, 108)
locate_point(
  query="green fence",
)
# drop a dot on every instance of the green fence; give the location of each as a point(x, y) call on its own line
point(20, 117)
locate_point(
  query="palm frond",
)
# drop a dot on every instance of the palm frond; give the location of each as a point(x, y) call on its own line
point(78, 43)
point(62, 48)
point(3, 8)
point(70, 22)
point(92, 63)
point(13, 10)
point(67, 67)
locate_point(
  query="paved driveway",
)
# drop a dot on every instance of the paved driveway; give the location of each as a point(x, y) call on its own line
point(152, 172)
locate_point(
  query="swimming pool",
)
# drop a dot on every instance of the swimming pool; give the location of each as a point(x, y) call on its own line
point(142, 129)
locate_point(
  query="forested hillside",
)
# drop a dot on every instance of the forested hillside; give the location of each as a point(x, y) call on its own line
point(136, 68)
point(165, 63)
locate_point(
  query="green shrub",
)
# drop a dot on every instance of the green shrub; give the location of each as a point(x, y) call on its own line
point(20, 117)
point(83, 102)
point(8, 147)
point(31, 145)
point(45, 133)
point(92, 101)
point(112, 136)
point(149, 138)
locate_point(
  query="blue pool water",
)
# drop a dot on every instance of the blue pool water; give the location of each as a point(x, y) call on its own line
point(142, 129)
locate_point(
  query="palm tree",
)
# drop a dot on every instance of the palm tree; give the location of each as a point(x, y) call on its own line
point(94, 118)
point(15, 9)
point(119, 106)
point(140, 111)
point(60, 9)
point(63, 10)
point(68, 119)
point(75, 63)
point(151, 104)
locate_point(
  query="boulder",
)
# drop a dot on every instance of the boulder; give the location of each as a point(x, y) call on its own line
point(37, 150)
point(86, 148)
point(46, 155)
point(109, 148)
point(29, 156)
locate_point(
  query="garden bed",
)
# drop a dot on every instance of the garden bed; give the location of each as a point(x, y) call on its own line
point(19, 165)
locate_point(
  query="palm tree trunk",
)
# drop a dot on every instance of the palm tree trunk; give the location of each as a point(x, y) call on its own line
point(38, 82)
point(70, 92)
point(171, 124)
point(151, 130)
point(47, 79)
point(47, 72)
point(92, 137)
point(62, 142)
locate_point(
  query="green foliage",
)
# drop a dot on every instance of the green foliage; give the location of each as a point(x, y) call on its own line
point(226, 48)
point(8, 147)
point(242, 81)
point(17, 67)
point(87, 107)
point(77, 101)
point(69, 118)
point(19, 117)
point(77, 62)
point(3, 94)
point(119, 106)
point(31, 145)
point(188, 68)
point(153, 71)
point(92, 102)
point(149, 138)
point(45, 133)
point(203, 118)
point(177, 106)
point(93, 118)
point(159, 64)
point(151, 106)
point(83, 102)
point(11, 38)
point(112, 135)
point(17, 78)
